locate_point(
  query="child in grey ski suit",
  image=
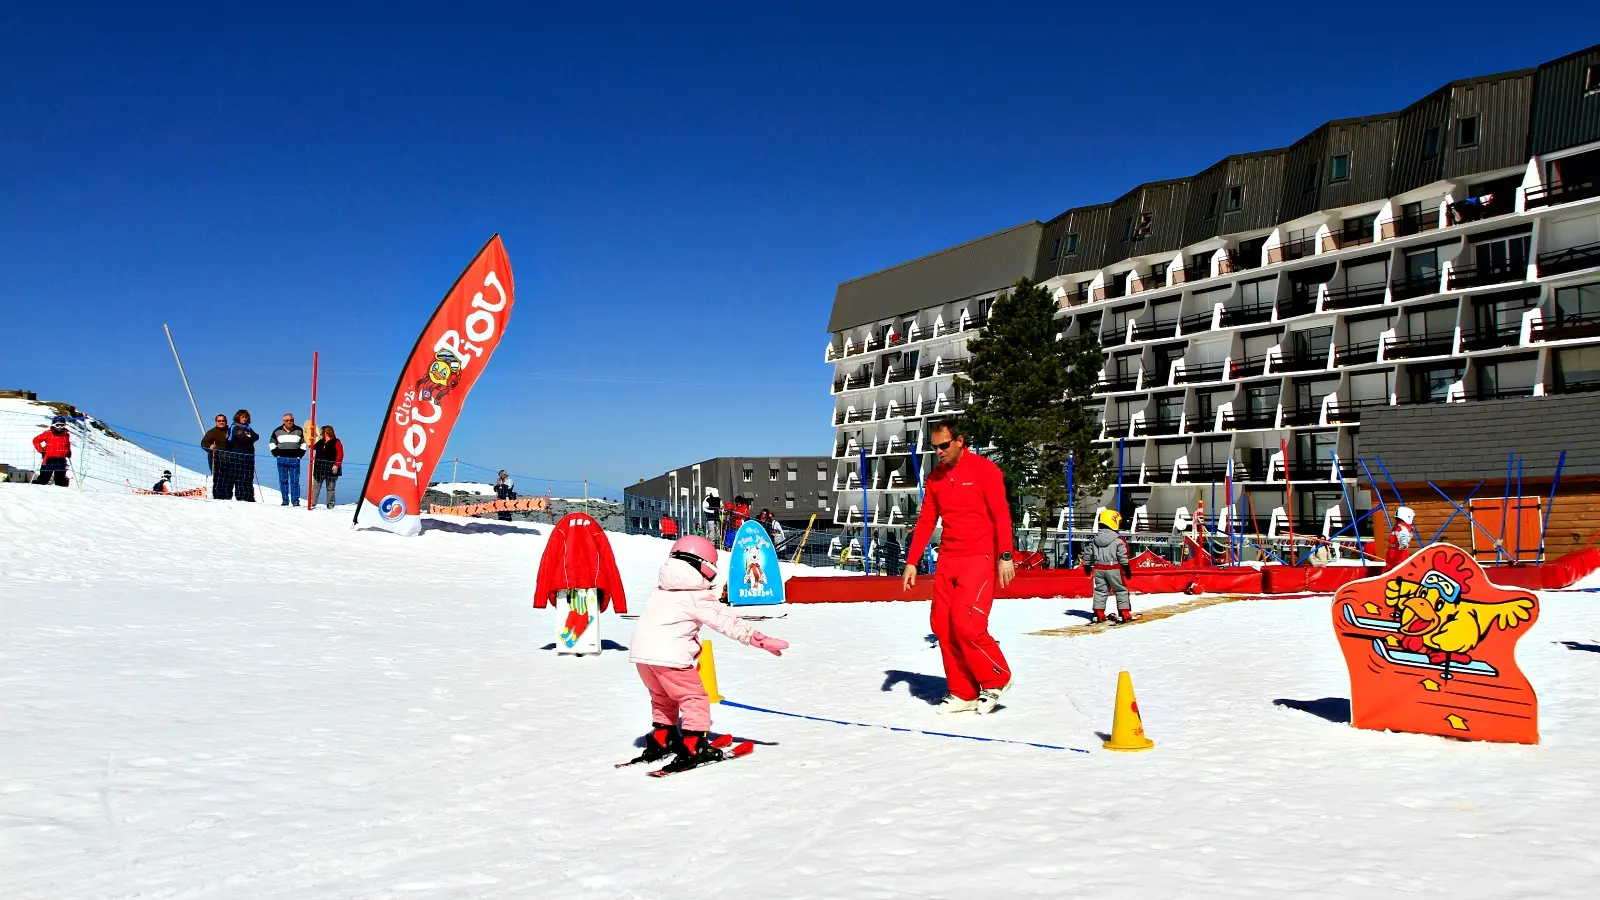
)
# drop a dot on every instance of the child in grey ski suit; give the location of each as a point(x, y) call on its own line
point(1108, 558)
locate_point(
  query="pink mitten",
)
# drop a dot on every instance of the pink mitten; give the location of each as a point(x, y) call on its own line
point(770, 644)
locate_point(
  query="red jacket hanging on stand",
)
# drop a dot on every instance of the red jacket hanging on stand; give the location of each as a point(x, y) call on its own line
point(578, 555)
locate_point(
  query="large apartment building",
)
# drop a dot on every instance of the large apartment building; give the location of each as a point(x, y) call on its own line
point(1445, 253)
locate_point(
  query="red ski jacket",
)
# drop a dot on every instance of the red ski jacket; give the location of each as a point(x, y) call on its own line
point(51, 445)
point(578, 555)
point(970, 497)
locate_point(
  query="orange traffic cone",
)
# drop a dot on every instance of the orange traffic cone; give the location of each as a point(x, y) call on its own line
point(1127, 729)
point(708, 672)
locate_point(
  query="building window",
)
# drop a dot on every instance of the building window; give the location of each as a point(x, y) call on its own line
point(772, 473)
point(1311, 179)
point(1578, 305)
point(794, 471)
point(1467, 131)
point(1071, 245)
point(1055, 249)
point(1127, 229)
point(1142, 229)
point(1211, 206)
point(1433, 385)
point(1578, 369)
point(788, 500)
point(1235, 197)
point(1339, 169)
point(1591, 80)
point(822, 501)
point(749, 474)
point(1430, 143)
point(822, 471)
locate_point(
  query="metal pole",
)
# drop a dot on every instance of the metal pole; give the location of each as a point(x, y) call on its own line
point(1349, 503)
point(185, 378)
point(1119, 475)
point(1288, 493)
point(866, 518)
point(1233, 515)
point(1544, 526)
point(1071, 497)
point(586, 497)
point(1453, 515)
point(1389, 478)
point(1376, 492)
point(1505, 508)
point(311, 426)
point(1470, 519)
point(1518, 550)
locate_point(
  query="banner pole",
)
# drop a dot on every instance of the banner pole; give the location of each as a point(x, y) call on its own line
point(185, 377)
point(311, 428)
point(866, 518)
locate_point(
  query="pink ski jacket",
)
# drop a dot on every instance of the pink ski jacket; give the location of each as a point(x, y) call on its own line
point(668, 633)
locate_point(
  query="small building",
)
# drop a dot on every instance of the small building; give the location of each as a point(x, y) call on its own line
point(794, 487)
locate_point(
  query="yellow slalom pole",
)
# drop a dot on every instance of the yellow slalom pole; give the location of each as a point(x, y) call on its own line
point(803, 537)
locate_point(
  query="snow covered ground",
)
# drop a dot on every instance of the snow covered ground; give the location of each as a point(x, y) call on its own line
point(203, 699)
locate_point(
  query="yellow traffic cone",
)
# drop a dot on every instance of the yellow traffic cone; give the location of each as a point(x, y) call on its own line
point(1127, 729)
point(708, 672)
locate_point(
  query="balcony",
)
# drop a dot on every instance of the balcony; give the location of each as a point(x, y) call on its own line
point(895, 376)
point(871, 344)
point(857, 416)
point(1151, 282)
point(1249, 367)
point(1074, 298)
point(856, 382)
point(1115, 339)
point(1204, 473)
point(1195, 323)
point(1558, 262)
point(1345, 239)
point(1244, 259)
point(1114, 430)
point(1247, 315)
point(1250, 419)
point(1414, 286)
point(1302, 416)
point(1348, 412)
point(949, 366)
point(1437, 343)
point(838, 385)
point(1297, 304)
point(1480, 276)
point(1154, 523)
point(1356, 354)
point(1301, 470)
point(1158, 474)
point(1565, 328)
point(1578, 387)
point(1121, 383)
point(1492, 338)
point(1192, 272)
point(1299, 248)
point(1355, 296)
point(1243, 471)
point(1110, 290)
point(1414, 223)
point(1559, 192)
point(1157, 427)
point(1151, 331)
point(1199, 372)
point(1302, 361)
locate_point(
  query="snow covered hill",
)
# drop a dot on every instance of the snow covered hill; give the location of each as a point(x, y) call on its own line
point(218, 700)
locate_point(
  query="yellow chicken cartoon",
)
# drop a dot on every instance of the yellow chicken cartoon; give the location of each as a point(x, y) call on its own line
point(1437, 618)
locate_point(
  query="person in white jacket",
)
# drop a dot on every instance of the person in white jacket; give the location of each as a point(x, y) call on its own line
point(666, 649)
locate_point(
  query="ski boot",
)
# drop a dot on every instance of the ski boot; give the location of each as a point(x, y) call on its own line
point(1099, 617)
point(1124, 616)
point(989, 698)
point(662, 741)
point(953, 704)
point(696, 749)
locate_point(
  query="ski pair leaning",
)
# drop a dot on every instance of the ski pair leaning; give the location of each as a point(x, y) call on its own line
point(689, 749)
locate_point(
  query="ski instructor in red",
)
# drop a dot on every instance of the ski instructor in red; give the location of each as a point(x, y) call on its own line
point(969, 493)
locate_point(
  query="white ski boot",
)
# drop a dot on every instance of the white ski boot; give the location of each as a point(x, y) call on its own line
point(989, 698)
point(953, 704)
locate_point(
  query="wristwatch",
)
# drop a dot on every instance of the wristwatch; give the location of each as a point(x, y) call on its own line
point(1006, 556)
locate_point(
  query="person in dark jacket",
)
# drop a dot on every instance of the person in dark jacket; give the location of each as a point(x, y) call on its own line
point(242, 456)
point(164, 486)
point(288, 445)
point(215, 443)
point(327, 464)
point(504, 490)
point(55, 448)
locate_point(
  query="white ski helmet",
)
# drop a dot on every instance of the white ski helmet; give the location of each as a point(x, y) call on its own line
point(1406, 514)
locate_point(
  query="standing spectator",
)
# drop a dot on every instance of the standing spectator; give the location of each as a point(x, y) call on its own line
point(288, 444)
point(712, 510)
point(504, 490)
point(327, 464)
point(164, 486)
point(55, 448)
point(215, 443)
point(242, 456)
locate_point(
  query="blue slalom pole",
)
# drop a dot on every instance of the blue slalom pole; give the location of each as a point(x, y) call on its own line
point(1071, 505)
point(1544, 527)
point(1119, 475)
point(866, 518)
point(1505, 506)
point(1470, 519)
point(1517, 552)
point(1453, 515)
point(1389, 478)
point(1377, 492)
point(1349, 504)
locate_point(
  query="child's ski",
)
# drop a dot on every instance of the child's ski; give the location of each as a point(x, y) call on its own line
point(738, 752)
point(721, 740)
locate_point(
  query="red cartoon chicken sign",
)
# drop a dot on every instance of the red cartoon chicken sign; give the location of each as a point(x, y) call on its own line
point(1431, 649)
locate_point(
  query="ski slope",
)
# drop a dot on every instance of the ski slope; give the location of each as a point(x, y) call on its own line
point(218, 700)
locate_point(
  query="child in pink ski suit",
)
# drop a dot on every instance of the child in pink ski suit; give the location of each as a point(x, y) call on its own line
point(666, 648)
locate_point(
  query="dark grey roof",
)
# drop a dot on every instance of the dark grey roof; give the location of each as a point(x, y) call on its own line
point(976, 267)
point(1468, 441)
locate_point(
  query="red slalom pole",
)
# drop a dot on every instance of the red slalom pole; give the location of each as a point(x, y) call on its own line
point(311, 426)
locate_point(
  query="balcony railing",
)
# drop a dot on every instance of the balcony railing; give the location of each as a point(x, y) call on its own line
point(857, 416)
point(1240, 261)
point(1578, 387)
point(1559, 192)
point(1415, 223)
point(1504, 393)
point(1158, 474)
point(1115, 338)
point(1478, 276)
point(1149, 282)
point(1310, 471)
point(904, 373)
point(855, 382)
point(1114, 430)
point(1196, 322)
point(1113, 385)
point(1415, 286)
point(1301, 416)
point(1357, 295)
point(1157, 427)
point(1200, 372)
point(950, 366)
point(1192, 272)
point(1156, 523)
point(838, 385)
point(1345, 412)
point(1297, 305)
point(1247, 315)
point(1246, 420)
point(1299, 248)
point(1356, 354)
point(1298, 361)
point(1491, 338)
point(1249, 367)
point(1075, 298)
point(872, 344)
point(1204, 472)
point(1110, 290)
point(1574, 325)
point(1151, 331)
point(1438, 343)
point(1343, 240)
point(1571, 259)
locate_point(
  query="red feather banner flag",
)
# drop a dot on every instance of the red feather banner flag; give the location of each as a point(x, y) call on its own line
point(448, 357)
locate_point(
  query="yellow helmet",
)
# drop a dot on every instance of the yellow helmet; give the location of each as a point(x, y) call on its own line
point(1111, 519)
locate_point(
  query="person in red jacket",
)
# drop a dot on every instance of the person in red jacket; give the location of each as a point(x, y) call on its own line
point(55, 447)
point(968, 493)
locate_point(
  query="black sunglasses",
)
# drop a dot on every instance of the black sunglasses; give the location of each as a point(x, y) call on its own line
point(944, 446)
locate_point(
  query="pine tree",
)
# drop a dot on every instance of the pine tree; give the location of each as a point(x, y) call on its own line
point(1028, 396)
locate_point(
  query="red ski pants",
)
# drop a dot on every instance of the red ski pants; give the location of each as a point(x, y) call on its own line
point(963, 594)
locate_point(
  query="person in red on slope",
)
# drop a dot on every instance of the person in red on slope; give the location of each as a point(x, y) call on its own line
point(55, 448)
point(1401, 537)
point(969, 493)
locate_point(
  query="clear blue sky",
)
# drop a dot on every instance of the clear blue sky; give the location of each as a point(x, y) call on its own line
point(680, 192)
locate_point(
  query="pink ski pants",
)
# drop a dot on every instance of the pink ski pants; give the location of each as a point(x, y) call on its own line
point(674, 693)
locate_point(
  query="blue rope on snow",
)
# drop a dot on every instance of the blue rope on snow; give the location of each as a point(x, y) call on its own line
point(969, 737)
